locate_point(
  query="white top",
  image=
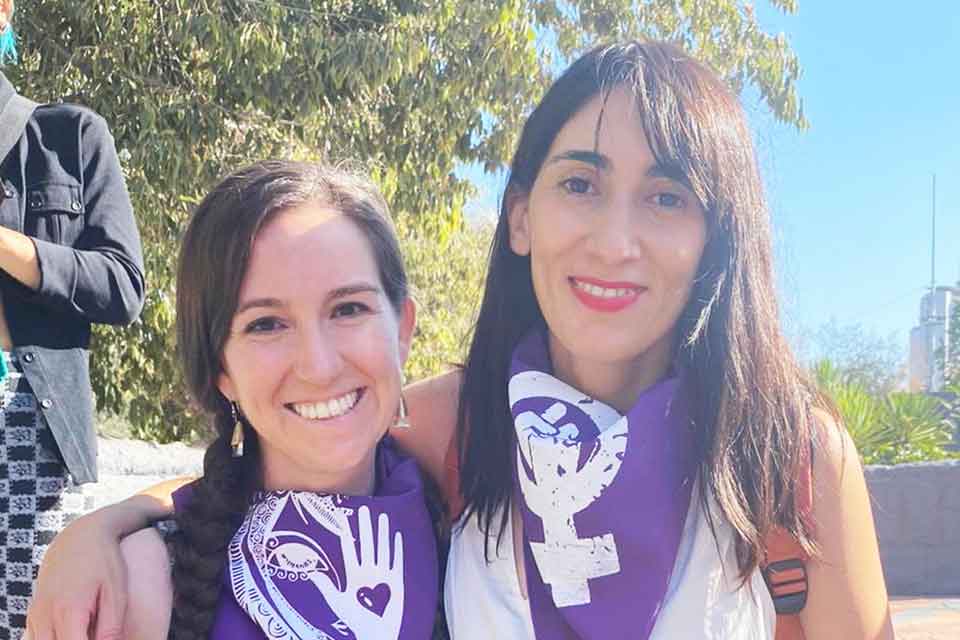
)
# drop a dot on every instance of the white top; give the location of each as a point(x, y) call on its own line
point(704, 599)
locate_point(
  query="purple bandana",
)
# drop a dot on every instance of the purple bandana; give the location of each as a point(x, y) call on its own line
point(312, 566)
point(603, 499)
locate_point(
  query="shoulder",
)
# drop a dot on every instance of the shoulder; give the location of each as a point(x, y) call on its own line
point(846, 597)
point(78, 138)
point(836, 463)
point(58, 114)
point(150, 593)
point(432, 406)
point(838, 485)
point(72, 128)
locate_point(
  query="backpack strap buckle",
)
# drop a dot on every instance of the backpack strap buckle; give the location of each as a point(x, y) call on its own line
point(787, 582)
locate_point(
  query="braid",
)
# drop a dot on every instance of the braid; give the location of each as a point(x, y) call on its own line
point(205, 528)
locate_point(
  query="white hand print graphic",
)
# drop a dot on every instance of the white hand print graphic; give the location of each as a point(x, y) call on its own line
point(549, 446)
point(366, 599)
point(371, 604)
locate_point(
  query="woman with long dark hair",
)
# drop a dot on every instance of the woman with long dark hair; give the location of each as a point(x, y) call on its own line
point(632, 438)
point(293, 322)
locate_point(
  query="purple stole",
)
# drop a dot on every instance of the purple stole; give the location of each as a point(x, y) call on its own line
point(603, 499)
point(325, 566)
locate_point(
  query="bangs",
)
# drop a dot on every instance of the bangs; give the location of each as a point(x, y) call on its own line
point(693, 123)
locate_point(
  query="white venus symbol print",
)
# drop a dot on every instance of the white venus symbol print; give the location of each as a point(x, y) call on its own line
point(550, 449)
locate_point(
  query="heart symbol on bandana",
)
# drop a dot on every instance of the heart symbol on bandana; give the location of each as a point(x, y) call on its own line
point(375, 599)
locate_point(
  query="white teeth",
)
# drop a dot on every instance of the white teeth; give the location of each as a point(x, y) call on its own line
point(329, 409)
point(601, 292)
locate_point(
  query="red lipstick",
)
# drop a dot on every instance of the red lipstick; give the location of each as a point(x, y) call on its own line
point(587, 291)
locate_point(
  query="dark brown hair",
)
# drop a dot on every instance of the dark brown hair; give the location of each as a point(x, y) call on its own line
point(752, 400)
point(214, 256)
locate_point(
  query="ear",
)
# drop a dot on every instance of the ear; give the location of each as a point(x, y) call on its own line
point(226, 386)
point(407, 323)
point(518, 218)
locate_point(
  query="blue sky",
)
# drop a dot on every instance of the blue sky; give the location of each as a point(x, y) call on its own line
point(851, 197)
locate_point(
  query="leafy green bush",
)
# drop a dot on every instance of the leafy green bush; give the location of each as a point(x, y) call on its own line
point(917, 428)
point(893, 428)
point(446, 270)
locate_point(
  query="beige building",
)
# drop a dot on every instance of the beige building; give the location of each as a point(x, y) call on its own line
point(929, 340)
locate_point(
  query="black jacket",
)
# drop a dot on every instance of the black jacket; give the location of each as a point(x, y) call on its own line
point(62, 186)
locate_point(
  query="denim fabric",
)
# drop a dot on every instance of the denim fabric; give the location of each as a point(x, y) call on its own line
point(62, 186)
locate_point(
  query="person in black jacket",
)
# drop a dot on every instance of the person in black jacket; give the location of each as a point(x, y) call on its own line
point(70, 256)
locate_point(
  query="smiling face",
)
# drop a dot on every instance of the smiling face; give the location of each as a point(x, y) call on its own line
point(614, 242)
point(315, 352)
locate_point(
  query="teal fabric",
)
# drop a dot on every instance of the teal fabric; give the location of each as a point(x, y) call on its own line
point(8, 46)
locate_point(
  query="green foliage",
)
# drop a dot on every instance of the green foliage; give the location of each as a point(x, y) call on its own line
point(446, 272)
point(859, 356)
point(857, 408)
point(415, 87)
point(894, 428)
point(917, 426)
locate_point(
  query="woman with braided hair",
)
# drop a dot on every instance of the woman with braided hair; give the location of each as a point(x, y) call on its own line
point(630, 439)
point(293, 322)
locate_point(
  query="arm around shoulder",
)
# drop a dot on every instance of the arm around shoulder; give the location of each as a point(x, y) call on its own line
point(151, 591)
point(432, 407)
point(847, 595)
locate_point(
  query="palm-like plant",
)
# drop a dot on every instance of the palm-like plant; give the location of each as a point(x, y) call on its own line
point(897, 427)
point(858, 410)
point(917, 426)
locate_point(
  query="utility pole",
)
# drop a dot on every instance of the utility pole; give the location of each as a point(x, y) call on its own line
point(932, 299)
point(933, 239)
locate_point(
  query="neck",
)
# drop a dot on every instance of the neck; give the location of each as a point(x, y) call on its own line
point(284, 475)
point(615, 383)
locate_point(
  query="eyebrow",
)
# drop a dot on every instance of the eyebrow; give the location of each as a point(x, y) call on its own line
point(602, 162)
point(339, 292)
point(598, 160)
point(257, 303)
point(670, 172)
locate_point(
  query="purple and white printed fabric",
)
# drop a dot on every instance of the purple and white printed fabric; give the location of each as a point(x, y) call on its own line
point(323, 566)
point(603, 497)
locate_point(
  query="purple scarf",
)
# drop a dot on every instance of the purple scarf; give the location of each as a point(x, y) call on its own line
point(603, 499)
point(312, 566)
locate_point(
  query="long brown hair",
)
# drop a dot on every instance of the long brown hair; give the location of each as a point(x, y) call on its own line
point(214, 256)
point(752, 401)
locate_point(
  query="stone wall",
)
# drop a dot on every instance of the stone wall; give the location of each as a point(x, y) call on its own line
point(916, 508)
point(917, 512)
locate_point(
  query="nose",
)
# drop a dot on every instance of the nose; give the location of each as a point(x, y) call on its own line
point(615, 233)
point(318, 360)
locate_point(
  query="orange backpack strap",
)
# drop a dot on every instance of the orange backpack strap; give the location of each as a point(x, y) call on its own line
point(784, 568)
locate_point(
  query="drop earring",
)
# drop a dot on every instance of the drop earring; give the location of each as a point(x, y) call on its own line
point(236, 441)
point(402, 420)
